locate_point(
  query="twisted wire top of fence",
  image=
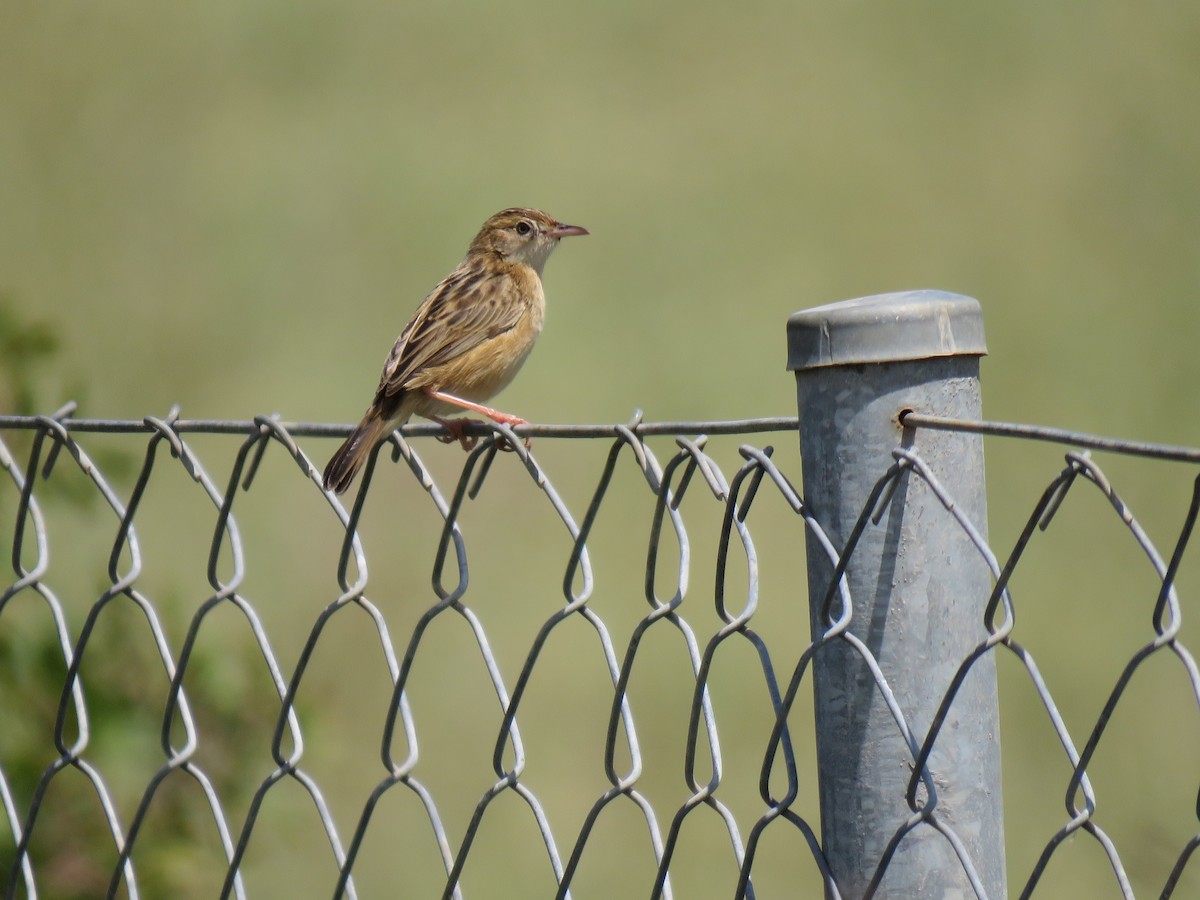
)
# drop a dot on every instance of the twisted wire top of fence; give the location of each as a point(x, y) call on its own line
point(909, 418)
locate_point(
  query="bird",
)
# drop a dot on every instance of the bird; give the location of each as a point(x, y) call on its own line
point(467, 339)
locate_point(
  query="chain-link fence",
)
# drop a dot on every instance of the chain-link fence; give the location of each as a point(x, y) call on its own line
point(559, 710)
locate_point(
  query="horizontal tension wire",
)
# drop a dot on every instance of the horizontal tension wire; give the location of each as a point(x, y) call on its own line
point(912, 419)
point(908, 418)
point(417, 429)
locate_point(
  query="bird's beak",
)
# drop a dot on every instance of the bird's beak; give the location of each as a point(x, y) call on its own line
point(561, 231)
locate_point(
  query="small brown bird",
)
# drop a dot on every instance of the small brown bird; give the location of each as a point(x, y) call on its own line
point(467, 339)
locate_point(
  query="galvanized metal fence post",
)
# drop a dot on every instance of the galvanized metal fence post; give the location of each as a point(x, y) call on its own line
point(917, 585)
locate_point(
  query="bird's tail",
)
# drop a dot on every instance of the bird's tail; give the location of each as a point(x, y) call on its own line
point(345, 463)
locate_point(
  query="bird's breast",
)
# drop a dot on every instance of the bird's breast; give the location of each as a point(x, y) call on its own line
point(488, 367)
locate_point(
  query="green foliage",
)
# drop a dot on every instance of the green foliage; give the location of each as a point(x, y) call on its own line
point(25, 346)
point(72, 849)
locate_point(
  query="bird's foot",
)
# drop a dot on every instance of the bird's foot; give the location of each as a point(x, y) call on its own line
point(456, 427)
point(457, 432)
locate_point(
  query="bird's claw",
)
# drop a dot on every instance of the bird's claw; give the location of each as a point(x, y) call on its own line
point(503, 444)
point(468, 441)
point(457, 432)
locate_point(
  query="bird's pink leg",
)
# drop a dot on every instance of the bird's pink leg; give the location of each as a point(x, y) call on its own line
point(494, 414)
point(455, 426)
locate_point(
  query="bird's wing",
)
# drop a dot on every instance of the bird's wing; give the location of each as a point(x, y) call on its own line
point(467, 308)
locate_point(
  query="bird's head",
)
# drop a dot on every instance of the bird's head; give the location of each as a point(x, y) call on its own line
point(522, 235)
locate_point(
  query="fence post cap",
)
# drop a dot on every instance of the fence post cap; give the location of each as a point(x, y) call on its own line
point(905, 325)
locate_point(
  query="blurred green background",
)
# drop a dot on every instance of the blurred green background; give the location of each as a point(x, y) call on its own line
point(236, 207)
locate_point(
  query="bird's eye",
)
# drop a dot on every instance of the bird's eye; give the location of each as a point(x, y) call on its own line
point(523, 228)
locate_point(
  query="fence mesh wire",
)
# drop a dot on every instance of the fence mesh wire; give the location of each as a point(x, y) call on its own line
point(59, 754)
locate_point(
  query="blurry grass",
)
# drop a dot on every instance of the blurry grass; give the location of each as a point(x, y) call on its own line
point(236, 209)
